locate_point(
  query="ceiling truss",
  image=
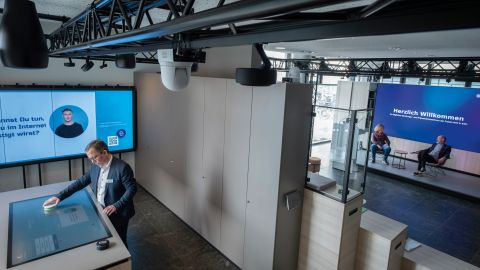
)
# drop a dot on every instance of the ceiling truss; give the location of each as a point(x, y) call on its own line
point(461, 69)
point(111, 27)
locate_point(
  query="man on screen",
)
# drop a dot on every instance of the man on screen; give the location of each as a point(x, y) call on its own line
point(112, 182)
point(69, 128)
point(438, 153)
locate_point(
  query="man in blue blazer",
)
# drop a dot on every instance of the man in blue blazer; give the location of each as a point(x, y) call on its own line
point(438, 153)
point(112, 182)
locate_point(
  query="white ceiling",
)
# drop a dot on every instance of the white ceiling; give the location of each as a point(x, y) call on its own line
point(455, 43)
point(70, 8)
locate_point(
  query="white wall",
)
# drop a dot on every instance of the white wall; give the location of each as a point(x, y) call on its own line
point(221, 62)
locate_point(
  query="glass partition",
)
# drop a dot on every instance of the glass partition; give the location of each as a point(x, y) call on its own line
point(342, 172)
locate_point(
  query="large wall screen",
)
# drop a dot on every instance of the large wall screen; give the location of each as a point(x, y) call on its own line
point(421, 113)
point(39, 124)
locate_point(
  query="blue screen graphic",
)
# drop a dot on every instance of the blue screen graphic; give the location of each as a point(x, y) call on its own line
point(421, 113)
point(45, 124)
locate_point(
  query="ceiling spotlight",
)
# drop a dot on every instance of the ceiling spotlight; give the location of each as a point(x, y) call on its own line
point(69, 63)
point(385, 70)
point(323, 66)
point(88, 65)
point(280, 48)
point(412, 67)
point(23, 44)
point(352, 69)
point(104, 65)
point(465, 72)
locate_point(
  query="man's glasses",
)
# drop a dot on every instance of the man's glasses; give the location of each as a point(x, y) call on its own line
point(94, 158)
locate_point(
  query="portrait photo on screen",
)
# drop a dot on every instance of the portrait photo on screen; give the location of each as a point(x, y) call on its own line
point(421, 113)
point(71, 137)
point(68, 121)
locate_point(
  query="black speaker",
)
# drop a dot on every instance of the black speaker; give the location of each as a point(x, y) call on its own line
point(23, 44)
point(125, 61)
point(256, 76)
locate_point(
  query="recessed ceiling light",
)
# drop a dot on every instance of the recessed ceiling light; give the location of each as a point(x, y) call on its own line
point(280, 48)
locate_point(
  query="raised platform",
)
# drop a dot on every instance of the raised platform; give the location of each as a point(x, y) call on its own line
point(456, 183)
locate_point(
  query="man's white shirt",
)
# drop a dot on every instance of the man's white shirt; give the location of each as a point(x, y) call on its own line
point(102, 182)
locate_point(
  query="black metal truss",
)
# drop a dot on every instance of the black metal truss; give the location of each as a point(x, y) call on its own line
point(112, 27)
point(462, 69)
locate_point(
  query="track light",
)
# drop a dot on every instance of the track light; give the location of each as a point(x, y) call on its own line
point(69, 63)
point(104, 65)
point(385, 70)
point(465, 72)
point(352, 69)
point(324, 66)
point(412, 67)
point(88, 65)
point(22, 42)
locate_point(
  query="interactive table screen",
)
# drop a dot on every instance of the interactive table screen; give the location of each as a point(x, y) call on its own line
point(35, 233)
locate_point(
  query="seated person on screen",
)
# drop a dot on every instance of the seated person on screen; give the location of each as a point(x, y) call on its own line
point(69, 128)
point(380, 142)
point(438, 153)
point(112, 183)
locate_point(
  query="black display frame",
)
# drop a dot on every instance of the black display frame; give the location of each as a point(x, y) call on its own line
point(75, 88)
point(10, 221)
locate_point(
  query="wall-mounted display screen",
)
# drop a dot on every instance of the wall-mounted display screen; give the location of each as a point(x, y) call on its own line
point(421, 113)
point(40, 125)
point(35, 233)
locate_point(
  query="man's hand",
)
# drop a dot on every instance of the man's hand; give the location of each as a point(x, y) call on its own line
point(441, 160)
point(52, 200)
point(379, 147)
point(109, 210)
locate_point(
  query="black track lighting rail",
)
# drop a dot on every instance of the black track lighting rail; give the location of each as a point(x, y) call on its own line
point(461, 69)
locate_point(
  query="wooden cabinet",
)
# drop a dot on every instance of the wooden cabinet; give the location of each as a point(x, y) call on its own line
point(222, 156)
point(329, 232)
point(263, 176)
point(205, 158)
point(235, 170)
point(380, 243)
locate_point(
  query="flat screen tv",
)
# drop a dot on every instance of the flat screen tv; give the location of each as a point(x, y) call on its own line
point(46, 124)
point(421, 113)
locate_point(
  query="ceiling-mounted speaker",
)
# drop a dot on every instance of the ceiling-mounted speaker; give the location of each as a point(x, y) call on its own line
point(22, 42)
point(125, 61)
point(263, 76)
point(256, 76)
